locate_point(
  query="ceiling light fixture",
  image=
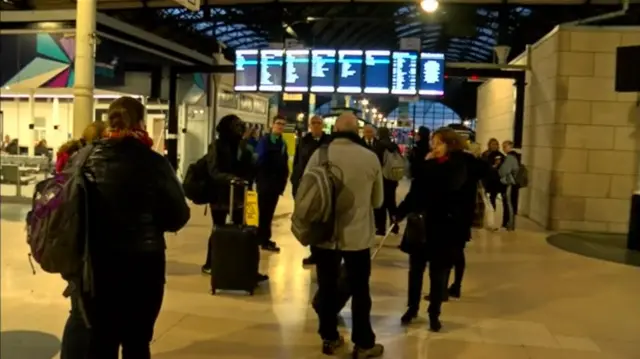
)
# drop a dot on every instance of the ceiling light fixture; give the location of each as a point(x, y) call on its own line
point(429, 5)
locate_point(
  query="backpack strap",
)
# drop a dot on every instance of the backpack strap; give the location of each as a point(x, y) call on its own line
point(323, 153)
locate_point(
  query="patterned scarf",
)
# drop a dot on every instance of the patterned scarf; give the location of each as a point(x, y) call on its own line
point(138, 134)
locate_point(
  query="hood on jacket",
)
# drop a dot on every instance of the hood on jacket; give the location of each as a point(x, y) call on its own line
point(230, 128)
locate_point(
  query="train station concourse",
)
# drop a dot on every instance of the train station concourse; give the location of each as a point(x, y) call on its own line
point(526, 295)
point(550, 84)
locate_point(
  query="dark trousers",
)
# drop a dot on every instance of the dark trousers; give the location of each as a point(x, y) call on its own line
point(267, 203)
point(506, 206)
point(76, 335)
point(389, 206)
point(123, 312)
point(358, 270)
point(459, 265)
point(438, 270)
point(219, 218)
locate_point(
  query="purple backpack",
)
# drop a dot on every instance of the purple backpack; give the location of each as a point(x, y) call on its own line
point(57, 223)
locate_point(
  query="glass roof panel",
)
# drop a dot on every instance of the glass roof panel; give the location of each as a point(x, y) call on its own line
point(232, 35)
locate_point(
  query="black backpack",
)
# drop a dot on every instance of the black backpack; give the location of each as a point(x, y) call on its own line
point(197, 182)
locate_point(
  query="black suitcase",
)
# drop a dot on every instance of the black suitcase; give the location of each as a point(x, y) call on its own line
point(235, 253)
point(344, 293)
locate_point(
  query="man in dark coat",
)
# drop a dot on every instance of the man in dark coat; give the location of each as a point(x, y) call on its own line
point(306, 146)
point(271, 179)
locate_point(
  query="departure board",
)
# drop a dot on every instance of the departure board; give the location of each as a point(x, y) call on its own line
point(271, 66)
point(376, 71)
point(246, 77)
point(431, 74)
point(323, 70)
point(404, 73)
point(296, 76)
point(350, 71)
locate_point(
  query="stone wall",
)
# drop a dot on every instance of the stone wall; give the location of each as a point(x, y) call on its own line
point(581, 138)
point(596, 133)
point(495, 110)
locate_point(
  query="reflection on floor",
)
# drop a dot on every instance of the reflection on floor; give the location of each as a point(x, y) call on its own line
point(605, 246)
point(522, 299)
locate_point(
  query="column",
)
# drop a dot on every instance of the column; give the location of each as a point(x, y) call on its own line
point(84, 66)
point(31, 123)
point(54, 139)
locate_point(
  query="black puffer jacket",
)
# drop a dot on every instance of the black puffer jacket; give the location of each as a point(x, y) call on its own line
point(445, 191)
point(134, 198)
point(229, 159)
point(306, 147)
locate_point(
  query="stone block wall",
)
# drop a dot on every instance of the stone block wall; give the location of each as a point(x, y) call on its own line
point(581, 139)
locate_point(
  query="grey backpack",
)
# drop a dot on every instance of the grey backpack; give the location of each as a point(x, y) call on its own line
point(393, 166)
point(313, 219)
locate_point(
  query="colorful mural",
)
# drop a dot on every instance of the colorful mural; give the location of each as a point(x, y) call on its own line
point(52, 65)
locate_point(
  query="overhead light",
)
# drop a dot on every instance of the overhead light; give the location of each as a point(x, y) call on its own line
point(374, 110)
point(429, 5)
point(364, 102)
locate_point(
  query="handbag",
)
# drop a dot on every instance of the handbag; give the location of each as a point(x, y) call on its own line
point(415, 234)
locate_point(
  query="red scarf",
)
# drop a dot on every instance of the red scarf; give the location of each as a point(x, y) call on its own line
point(138, 134)
point(442, 159)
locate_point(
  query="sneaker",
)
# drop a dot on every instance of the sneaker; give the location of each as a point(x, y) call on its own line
point(374, 352)
point(206, 270)
point(309, 261)
point(262, 277)
point(330, 347)
point(271, 247)
point(395, 229)
point(409, 316)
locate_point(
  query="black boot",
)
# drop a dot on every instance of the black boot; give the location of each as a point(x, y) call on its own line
point(445, 297)
point(409, 316)
point(454, 291)
point(434, 323)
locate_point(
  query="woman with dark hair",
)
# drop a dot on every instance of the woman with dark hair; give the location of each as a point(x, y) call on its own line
point(134, 197)
point(491, 182)
point(419, 150)
point(444, 194)
point(385, 144)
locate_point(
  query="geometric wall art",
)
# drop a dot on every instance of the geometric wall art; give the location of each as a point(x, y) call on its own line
point(51, 67)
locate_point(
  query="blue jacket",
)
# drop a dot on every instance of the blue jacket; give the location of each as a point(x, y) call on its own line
point(272, 164)
point(508, 169)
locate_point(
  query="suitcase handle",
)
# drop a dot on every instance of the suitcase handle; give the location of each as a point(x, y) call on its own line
point(234, 182)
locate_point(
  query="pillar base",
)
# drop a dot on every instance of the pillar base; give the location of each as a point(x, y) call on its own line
point(633, 238)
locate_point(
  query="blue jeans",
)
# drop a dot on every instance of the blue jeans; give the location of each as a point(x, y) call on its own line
point(75, 338)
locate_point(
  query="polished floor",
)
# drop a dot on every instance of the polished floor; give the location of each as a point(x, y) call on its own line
point(522, 299)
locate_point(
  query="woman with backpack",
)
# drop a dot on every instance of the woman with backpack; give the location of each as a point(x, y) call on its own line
point(383, 146)
point(75, 338)
point(134, 197)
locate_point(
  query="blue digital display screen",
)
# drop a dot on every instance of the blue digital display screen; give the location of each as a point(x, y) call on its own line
point(246, 74)
point(404, 67)
point(323, 70)
point(431, 74)
point(350, 71)
point(296, 75)
point(271, 66)
point(376, 71)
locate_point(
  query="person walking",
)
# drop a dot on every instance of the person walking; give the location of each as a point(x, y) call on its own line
point(361, 190)
point(271, 179)
point(389, 207)
point(306, 147)
point(444, 195)
point(508, 171)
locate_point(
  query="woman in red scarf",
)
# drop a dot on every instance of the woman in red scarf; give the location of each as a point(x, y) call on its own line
point(444, 193)
point(134, 197)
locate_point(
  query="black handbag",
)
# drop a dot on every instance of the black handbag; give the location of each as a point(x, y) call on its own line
point(415, 234)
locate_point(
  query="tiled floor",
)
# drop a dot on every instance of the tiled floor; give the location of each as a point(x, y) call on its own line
point(522, 298)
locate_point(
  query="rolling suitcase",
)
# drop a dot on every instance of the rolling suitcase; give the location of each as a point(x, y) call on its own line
point(344, 293)
point(235, 253)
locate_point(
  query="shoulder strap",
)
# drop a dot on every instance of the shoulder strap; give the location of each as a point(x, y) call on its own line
point(324, 154)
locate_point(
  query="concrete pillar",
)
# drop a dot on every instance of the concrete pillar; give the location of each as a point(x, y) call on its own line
point(31, 123)
point(55, 140)
point(84, 66)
